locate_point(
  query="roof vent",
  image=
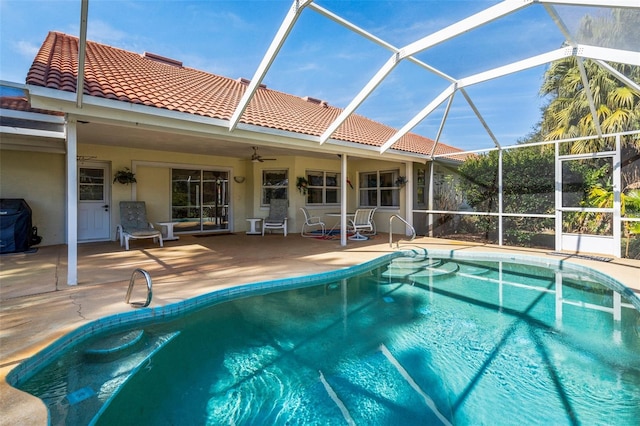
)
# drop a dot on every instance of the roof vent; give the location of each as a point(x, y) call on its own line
point(246, 82)
point(161, 59)
point(316, 101)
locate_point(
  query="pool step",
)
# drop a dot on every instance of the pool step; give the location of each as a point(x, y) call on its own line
point(402, 267)
point(114, 346)
point(445, 269)
point(108, 363)
point(420, 270)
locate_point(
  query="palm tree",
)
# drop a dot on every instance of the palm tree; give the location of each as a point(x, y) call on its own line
point(617, 105)
point(568, 114)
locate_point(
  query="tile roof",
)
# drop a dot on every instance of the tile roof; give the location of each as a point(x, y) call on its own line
point(20, 103)
point(147, 79)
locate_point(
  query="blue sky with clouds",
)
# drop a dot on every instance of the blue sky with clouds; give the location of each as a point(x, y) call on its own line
point(320, 59)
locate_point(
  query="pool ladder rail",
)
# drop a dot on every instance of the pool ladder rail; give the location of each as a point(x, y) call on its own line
point(413, 231)
point(147, 278)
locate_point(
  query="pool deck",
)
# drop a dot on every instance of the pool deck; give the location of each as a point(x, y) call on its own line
point(37, 306)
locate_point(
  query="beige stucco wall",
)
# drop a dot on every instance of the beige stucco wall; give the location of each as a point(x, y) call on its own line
point(39, 178)
point(153, 175)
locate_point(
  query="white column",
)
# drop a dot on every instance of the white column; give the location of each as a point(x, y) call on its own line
point(430, 201)
point(558, 197)
point(72, 203)
point(617, 201)
point(500, 198)
point(343, 203)
point(408, 196)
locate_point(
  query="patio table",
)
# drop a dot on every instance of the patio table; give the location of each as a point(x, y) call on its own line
point(169, 225)
point(337, 224)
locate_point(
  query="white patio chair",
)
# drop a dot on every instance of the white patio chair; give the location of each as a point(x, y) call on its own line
point(134, 223)
point(277, 218)
point(362, 222)
point(311, 222)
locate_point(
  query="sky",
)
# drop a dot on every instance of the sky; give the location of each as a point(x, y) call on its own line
point(320, 58)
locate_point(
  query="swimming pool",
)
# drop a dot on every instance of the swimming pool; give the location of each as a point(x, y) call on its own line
point(428, 338)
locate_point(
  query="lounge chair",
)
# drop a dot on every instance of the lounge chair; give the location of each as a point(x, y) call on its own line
point(277, 218)
point(362, 222)
point(311, 222)
point(134, 223)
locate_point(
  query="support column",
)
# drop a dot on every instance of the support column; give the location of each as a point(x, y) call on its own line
point(408, 195)
point(72, 202)
point(343, 202)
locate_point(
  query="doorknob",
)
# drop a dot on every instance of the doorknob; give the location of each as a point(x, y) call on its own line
point(106, 207)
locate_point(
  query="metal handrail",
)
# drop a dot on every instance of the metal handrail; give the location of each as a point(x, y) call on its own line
point(147, 277)
point(413, 231)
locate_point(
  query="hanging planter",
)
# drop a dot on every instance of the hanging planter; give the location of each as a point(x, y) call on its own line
point(302, 185)
point(124, 176)
point(401, 181)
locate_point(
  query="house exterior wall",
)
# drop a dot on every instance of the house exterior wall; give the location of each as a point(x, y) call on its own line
point(39, 178)
point(153, 175)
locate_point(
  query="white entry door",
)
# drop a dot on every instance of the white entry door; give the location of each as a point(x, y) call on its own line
point(94, 209)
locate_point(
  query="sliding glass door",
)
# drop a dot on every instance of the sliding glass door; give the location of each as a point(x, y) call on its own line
point(200, 200)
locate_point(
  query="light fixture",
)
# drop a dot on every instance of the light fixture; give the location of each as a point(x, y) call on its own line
point(239, 179)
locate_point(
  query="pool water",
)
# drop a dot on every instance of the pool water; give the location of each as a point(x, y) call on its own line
point(418, 341)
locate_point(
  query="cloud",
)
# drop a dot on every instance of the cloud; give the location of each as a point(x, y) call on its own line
point(27, 49)
point(102, 32)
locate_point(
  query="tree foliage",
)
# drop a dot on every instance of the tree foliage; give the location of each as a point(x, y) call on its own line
point(617, 105)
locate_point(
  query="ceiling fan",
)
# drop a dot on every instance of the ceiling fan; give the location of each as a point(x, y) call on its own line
point(258, 158)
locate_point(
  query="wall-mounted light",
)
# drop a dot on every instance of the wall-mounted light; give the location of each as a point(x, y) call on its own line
point(239, 179)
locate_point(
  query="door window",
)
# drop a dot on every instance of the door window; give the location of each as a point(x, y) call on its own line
point(199, 200)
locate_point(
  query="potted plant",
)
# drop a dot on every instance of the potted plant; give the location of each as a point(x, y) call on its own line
point(302, 185)
point(124, 176)
point(401, 181)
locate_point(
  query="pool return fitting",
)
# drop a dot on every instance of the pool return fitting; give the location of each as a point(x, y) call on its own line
point(147, 277)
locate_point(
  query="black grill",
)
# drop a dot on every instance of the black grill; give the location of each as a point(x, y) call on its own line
point(16, 231)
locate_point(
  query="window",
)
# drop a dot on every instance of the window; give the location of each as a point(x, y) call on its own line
point(378, 189)
point(275, 185)
point(323, 187)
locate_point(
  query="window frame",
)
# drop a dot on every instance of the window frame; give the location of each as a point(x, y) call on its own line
point(324, 188)
point(267, 190)
point(379, 190)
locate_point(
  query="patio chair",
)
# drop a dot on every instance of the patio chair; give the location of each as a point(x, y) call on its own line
point(134, 224)
point(277, 218)
point(310, 222)
point(362, 222)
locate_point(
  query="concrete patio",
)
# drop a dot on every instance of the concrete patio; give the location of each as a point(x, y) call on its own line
point(37, 306)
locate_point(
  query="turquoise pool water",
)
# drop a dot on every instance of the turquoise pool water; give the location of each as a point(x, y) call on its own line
point(414, 340)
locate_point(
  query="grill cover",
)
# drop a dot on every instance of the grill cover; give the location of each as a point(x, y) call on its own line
point(15, 225)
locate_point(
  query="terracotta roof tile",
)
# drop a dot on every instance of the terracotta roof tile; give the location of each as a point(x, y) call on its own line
point(151, 80)
point(20, 103)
